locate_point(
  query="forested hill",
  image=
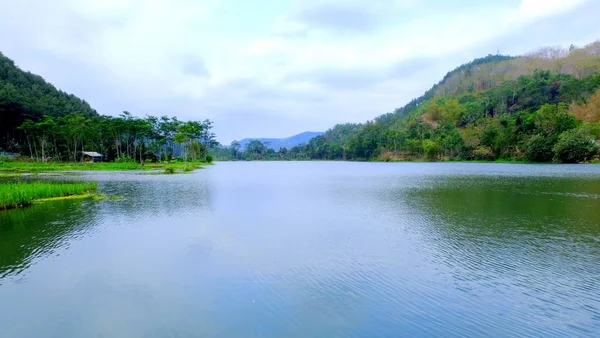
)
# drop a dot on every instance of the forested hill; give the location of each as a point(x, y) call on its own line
point(28, 96)
point(34, 96)
point(544, 106)
point(43, 123)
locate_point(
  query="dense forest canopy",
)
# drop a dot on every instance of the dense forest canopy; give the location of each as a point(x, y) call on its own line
point(544, 106)
point(44, 123)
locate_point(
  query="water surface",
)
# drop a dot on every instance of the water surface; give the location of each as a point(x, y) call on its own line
point(311, 249)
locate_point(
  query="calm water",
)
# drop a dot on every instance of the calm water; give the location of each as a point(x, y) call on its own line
point(311, 250)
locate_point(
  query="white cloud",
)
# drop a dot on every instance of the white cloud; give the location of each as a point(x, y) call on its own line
point(541, 8)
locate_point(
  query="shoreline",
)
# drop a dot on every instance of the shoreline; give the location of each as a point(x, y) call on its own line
point(22, 167)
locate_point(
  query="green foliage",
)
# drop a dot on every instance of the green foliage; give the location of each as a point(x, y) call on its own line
point(539, 149)
point(36, 167)
point(574, 146)
point(483, 153)
point(24, 193)
point(124, 159)
point(552, 120)
point(484, 116)
point(46, 124)
point(431, 149)
point(169, 170)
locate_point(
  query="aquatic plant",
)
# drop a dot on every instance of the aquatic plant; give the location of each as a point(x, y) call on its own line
point(24, 193)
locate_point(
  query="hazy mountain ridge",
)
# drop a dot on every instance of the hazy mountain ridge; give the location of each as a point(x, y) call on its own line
point(287, 142)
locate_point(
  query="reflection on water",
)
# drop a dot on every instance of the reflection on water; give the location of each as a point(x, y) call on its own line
point(30, 233)
point(532, 240)
point(311, 249)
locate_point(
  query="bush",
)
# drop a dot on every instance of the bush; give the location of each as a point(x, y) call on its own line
point(574, 146)
point(169, 170)
point(483, 154)
point(539, 149)
point(431, 149)
point(124, 159)
point(209, 158)
point(4, 159)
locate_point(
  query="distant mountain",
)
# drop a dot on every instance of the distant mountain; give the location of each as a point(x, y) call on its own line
point(278, 143)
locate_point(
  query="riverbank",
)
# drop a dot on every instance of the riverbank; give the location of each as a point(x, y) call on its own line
point(16, 167)
point(20, 194)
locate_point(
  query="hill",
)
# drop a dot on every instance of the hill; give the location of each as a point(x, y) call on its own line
point(528, 107)
point(46, 124)
point(278, 143)
point(24, 95)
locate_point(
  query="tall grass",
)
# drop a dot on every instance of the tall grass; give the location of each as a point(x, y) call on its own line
point(24, 193)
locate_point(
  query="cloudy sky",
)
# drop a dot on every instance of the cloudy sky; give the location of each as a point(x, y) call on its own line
point(273, 68)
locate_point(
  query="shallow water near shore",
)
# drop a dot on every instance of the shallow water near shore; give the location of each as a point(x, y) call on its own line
point(311, 249)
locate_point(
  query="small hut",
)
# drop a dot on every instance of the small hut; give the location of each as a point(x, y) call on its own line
point(92, 156)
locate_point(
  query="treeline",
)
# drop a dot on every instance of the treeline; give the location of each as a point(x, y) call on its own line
point(43, 123)
point(121, 138)
point(259, 151)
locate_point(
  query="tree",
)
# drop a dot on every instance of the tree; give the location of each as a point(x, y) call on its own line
point(588, 111)
point(431, 149)
point(256, 150)
point(574, 146)
point(552, 120)
point(235, 150)
point(186, 134)
point(539, 149)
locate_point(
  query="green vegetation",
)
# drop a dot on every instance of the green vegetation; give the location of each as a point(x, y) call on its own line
point(24, 193)
point(540, 107)
point(16, 167)
point(46, 124)
point(574, 146)
point(8, 175)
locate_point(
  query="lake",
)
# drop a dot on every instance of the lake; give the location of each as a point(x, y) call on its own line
point(311, 249)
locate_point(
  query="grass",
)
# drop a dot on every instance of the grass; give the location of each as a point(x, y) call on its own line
point(33, 167)
point(9, 175)
point(24, 193)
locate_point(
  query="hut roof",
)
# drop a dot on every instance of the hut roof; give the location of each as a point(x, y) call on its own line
point(92, 154)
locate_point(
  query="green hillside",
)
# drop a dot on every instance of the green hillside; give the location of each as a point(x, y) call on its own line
point(28, 96)
point(46, 124)
point(539, 107)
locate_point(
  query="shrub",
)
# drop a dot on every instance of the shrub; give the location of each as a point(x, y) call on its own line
point(483, 153)
point(574, 146)
point(169, 170)
point(539, 149)
point(431, 149)
point(209, 158)
point(124, 159)
point(4, 159)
